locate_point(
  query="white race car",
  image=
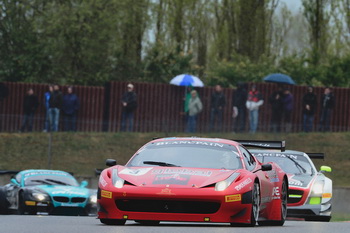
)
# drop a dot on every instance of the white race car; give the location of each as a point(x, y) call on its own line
point(310, 191)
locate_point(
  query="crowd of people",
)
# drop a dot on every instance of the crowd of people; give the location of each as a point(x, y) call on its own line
point(56, 104)
point(246, 105)
point(248, 102)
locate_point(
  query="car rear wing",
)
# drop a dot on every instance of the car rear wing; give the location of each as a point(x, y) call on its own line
point(279, 145)
point(316, 155)
point(8, 172)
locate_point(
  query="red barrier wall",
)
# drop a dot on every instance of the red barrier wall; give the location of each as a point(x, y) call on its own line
point(160, 107)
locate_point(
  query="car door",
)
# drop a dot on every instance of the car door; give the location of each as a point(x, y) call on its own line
point(252, 165)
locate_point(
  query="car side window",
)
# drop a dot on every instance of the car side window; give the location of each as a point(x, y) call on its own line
point(248, 159)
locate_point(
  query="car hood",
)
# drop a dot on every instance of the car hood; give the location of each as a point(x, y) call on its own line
point(301, 181)
point(63, 190)
point(162, 176)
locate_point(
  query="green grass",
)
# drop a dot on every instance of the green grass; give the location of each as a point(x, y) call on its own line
point(338, 217)
point(81, 153)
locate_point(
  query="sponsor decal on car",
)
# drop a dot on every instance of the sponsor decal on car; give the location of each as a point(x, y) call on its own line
point(213, 144)
point(232, 198)
point(326, 195)
point(243, 184)
point(182, 171)
point(135, 172)
point(102, 181)
point(106, 194)
point(166, 191)
point(171, 179)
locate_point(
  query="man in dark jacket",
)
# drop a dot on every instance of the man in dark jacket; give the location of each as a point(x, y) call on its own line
point(30, 104)
point(309, 107)
point(70, 108)
point(276, 110)
point(327, 105)
point(129, 103)
point(239, 108)
point(217, 105)
point(55, 104)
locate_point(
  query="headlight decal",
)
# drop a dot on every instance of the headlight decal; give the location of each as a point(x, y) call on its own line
point(222, 185)
point(116, 180)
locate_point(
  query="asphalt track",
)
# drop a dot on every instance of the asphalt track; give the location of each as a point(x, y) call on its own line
point(59, 224)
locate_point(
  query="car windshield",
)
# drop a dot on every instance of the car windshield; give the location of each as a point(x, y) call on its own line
point(290, 163)
point(50, 180)
point(209, 155)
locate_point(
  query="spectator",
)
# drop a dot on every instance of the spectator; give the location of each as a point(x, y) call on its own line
point(327, 105)
point(129, 103)
point(309, 107)
point(288, 103)
point(253, 104)
point(217, 104)
point(70, 108)
point(55, 104)
point(276, 110)
point(239, 108)
point(46, 101)
point(194, 108)
point(30, 104)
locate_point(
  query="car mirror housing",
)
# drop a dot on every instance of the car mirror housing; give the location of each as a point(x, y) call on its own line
point(14, 181)
point(266, 167)
point(84, 184)
point(326, 169)
point(111, 162)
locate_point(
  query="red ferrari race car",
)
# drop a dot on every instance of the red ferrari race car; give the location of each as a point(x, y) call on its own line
point(193, 180)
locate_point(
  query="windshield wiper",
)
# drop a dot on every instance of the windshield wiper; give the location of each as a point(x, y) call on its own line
point(298, 165)
point(56, 181)
point(160, 164)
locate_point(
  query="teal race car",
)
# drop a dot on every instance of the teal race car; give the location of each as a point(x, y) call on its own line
point(47, 192)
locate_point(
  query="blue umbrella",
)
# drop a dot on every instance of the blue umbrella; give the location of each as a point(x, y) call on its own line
point(187, 80)
point(279, 78)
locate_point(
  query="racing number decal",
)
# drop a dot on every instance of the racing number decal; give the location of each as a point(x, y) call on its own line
point(276, 193)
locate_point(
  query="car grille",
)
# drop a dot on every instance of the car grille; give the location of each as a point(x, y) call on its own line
point(295, 196)
point(66, 199)
point(168, 206)
point(61, 199)
point(78, 199)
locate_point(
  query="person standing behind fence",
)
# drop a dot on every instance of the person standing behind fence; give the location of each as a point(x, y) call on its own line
point(255, 100)
point(195, 106)
point(30, 104)
point(309, 107)
point(288, 103)
point(276, 110)
point(217, 105)
point(55, 104)
point(70, 109)
point(327, 105)
point(239, 108)
point(129, 103)
point(46, 101)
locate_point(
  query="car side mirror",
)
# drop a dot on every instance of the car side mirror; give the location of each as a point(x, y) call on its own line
point(15, 182)
point(111, 162)
point(266, 167)
point(326, 169)
point(84, 184)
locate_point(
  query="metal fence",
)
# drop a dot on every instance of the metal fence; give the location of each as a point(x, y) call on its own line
point(160, 107)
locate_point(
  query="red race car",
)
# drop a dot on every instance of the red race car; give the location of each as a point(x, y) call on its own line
point(194, 180)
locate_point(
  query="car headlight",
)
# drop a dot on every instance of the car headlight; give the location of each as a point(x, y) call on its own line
point(317, 188)
point(40, 196)
point(93, 199)
point(116, 180)
point(222, 185)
